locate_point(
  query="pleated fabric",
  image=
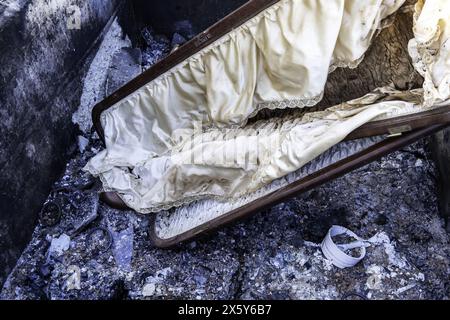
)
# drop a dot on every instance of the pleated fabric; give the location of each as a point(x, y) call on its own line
point(430, 48)
point(184, 136)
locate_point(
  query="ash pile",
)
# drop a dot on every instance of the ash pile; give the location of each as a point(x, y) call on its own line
point(82, 249)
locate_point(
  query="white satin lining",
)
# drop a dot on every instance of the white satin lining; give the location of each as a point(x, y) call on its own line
point(284, 53)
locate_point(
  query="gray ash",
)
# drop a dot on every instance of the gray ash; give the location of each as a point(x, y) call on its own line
point(156, 47)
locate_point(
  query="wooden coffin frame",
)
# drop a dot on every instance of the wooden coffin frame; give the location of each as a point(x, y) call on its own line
point(334, 171)
point(404, 130)
point(196, 44)
point(221, 28)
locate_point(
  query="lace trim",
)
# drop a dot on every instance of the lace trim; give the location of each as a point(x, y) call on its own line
point(272, 105)
point(423, 56)
point(345, 64)
point(159, 207)
point(226, 38)
point(284, 123)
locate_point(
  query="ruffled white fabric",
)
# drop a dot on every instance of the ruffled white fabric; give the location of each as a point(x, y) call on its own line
point(224, 163)
point(180, 138)
point(284, 53)
point(430, 48)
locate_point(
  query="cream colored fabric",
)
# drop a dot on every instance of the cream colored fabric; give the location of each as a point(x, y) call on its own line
point(430, 48)
point(157, 158)
point(225, 163)
point(284, 53)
